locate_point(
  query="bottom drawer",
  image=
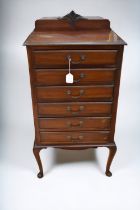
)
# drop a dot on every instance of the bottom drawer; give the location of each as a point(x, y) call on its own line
point(61, 138)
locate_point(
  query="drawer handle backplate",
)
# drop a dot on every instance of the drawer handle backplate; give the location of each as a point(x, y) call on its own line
point(69, 92)
point(82, 58)
point(75, 125)
point(69, 109)
point(75, 139)
point(82, 75)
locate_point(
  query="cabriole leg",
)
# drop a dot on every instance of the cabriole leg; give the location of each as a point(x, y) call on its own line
point(36, 152)
point(112, 151)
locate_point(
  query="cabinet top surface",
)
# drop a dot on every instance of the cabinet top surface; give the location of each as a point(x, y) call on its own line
point(73, 29)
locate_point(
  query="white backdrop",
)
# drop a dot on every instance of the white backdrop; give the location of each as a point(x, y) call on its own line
point(74, 180)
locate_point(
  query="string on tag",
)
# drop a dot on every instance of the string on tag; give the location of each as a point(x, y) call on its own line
point(69, 64)
point(69, 76)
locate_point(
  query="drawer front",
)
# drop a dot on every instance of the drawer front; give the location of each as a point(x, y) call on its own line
point(79, 58)
point(78, 123)
point(81, 77)
point(68, 138)
point(74, 109)
point(84, 93)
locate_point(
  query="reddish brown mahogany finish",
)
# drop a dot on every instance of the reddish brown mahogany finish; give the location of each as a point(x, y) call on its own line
point(72, 109)
point(80, 115)
point(55, 77)
point(75, 123)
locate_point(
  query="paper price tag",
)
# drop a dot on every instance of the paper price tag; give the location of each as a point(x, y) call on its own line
point(69, 78)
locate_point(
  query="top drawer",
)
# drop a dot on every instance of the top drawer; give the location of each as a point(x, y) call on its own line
point(79, 58)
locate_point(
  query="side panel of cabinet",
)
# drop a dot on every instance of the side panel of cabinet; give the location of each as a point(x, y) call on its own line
point(33, 94)
point(116, 92)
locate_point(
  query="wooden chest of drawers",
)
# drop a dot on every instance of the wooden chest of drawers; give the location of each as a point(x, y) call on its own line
point(81, 114)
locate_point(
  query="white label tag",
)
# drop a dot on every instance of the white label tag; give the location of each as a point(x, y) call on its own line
point(69, 78)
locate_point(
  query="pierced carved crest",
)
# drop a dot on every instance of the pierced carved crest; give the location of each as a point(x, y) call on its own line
point(72, 17)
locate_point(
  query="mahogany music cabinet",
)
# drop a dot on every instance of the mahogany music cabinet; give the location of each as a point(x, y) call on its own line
point(79, 113)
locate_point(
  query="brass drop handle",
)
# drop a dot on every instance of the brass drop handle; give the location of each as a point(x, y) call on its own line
point(69, 109)
point(69, 92)
point(75, 125)
point(82, 75)
point(75, 139)
point(82, 58)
